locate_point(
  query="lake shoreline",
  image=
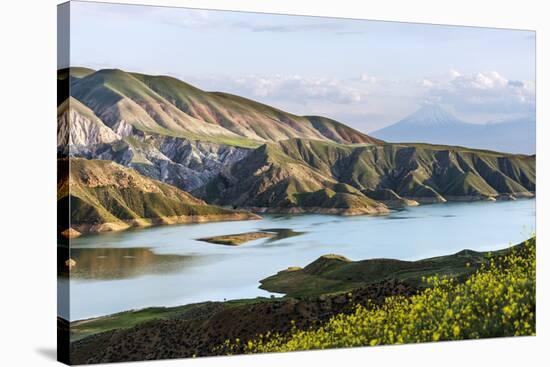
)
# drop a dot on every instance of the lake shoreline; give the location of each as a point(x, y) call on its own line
point(99, 228)
point(165, 257)
point(202, 322)
point(468, 266)
point(254, 213)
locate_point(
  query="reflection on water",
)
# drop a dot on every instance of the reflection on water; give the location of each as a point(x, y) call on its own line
point(120, 263)
point(281, 233)
point(402, 217)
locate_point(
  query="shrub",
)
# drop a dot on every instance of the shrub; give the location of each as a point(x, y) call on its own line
point(498, 300)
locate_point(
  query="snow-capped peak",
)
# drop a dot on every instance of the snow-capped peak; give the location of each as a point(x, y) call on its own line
point(430, 115)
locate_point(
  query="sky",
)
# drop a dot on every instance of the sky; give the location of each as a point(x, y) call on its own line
point(367, 74)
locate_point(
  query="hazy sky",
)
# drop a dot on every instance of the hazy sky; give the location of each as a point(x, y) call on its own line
point(367, 74)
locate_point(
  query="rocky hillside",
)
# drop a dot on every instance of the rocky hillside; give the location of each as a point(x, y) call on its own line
point(105, 196)
point(304, 175)
point(183, 163)
point(79, 129)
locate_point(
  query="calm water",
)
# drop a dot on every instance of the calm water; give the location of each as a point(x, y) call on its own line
point(167, 266)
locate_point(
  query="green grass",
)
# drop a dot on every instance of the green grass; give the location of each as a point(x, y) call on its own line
point(81, 72)
point(302, 173)
point(513, 267)
point(497, 301)
point(125, 320)
point(224, 140)
point(332, 274)
point(235, 141)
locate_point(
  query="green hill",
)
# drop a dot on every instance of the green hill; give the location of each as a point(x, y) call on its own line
point(268, 179)
point(335, 273)
point(67, 76)
point(167, 106)
point(306, 175)
point(497, 300)
point(105, 196)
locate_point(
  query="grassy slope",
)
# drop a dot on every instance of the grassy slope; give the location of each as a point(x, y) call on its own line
point(497, 301)
point(115, 95)
point(309, 173)
point(105, 192)
point(270, 178)
point(338, 132)
point(248, 118)
point(65, 77)
point(125, 320)
point(167, 106)
point(333, 273)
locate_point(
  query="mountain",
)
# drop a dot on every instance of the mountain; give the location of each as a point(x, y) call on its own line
point(300, 175)
point(167, 106)
point(430, 116)
point(169, 130)
point(517, 135)
point(432, 124)
point(234, 152)
point(105, 196)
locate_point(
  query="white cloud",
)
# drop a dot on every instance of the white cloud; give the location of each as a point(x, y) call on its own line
point(368, 78)
point(454, 73)
point(366, 101)
point(490, 80)
point(426, 83)
point(294, 88)
point(484, 93)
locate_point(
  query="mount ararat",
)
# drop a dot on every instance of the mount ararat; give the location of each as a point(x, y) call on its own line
point(433, 124)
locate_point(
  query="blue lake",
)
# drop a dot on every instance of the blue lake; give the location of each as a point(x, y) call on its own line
point(167, 266)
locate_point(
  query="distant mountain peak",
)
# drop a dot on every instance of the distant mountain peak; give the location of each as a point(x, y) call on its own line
point(430, 115)
point(435, 125)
